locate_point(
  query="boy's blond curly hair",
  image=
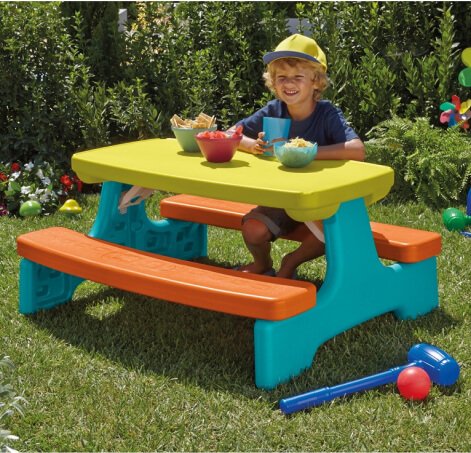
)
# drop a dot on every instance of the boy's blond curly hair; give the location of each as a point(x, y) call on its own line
point(318, 74)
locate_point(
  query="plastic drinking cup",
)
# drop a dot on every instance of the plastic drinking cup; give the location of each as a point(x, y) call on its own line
point(276, 130)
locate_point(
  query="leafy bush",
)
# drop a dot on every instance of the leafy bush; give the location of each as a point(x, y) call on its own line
point(197, 56)
point(9, 403)
point(431, 165)
point(36, 59)
point(50, 103)
point(390, 58)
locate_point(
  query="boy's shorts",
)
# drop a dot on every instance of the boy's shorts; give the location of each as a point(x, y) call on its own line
point(275, 219)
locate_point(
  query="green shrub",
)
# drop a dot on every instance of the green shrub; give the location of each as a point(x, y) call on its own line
point(199, 56)
point(390, 58)
point(431, 165)
point(9, 403)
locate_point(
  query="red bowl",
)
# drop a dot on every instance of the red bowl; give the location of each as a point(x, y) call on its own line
point(218, 149)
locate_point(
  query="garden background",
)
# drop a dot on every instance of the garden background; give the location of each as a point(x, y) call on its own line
point(70, 80)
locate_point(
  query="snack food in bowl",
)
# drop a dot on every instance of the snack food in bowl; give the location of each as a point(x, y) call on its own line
point(185, 130)
point(296, 153)
point(218, 146)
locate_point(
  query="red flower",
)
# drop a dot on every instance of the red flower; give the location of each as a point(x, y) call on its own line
point(3, 176)
point(78, 183)
point(15, 166)
point(66, 182)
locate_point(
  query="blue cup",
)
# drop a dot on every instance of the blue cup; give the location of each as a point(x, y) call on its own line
point(276, 130)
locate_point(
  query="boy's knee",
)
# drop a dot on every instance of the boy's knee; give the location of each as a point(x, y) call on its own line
point(255, 232)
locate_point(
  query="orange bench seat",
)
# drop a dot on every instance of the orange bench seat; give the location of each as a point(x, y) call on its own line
point(171, 279)
point(397, 243)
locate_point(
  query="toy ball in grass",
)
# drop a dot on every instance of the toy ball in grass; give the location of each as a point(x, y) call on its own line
point(296, 153)
point(30, 208)
point(219, 146)
point(414, 383)
point(186, 137)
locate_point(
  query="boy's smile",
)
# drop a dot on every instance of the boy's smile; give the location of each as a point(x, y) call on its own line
point(295, 87)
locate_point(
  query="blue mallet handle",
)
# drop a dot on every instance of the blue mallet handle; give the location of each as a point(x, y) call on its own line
point(319, 396)
point(440, 366)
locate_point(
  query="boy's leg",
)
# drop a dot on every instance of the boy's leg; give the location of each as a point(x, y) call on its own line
point(257, 238)
point(310, 248)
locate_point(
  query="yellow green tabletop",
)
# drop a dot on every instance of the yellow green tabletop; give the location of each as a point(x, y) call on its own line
point(310, 193)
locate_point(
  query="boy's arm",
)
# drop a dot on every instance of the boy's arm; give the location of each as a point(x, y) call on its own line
point(351, 150)
point(250, 145)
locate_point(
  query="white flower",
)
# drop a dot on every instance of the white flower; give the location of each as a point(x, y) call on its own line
point(46, 181)
point(25, 190)
point(40, 174)
point(14, 176)
point(29, 166)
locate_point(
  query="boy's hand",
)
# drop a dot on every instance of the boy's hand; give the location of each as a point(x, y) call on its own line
point(259, 144)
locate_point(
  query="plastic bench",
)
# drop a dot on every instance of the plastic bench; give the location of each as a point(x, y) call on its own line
point(397, 243)
point(171, 279)
point(56, 260)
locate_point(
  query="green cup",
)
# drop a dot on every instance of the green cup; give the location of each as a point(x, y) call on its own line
point(186, 137)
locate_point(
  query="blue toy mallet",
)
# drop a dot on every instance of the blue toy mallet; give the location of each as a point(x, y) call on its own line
point(441, 368)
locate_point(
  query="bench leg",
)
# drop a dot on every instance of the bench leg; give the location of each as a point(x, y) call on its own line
point(175, 238)
point(421, 282)
point(42, 287)
point(357, 287)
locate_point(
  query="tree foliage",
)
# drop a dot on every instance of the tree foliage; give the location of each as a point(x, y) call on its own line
point(70, 81)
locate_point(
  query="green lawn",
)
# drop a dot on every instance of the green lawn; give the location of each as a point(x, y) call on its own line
point(113, 371)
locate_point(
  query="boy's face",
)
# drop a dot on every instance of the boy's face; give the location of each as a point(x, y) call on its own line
point(294, 84)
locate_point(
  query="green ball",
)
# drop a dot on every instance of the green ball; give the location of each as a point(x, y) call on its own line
point(30, 208)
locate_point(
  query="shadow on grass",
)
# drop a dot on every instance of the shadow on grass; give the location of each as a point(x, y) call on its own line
point(214, 350)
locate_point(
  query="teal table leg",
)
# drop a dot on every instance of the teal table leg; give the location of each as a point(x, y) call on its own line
point(184, 240)
point(44, 288)
point(357, 288)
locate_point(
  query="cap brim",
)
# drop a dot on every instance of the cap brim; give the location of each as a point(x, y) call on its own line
point(271, 56)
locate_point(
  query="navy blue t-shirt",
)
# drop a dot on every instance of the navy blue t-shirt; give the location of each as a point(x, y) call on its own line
point(326, 125)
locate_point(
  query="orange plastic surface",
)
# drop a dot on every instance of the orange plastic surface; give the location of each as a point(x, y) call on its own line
point(406, 245)
point(171, 279)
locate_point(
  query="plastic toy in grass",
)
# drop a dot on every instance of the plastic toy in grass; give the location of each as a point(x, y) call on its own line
point(30, 208)
point(70, 207)
point(414, 383)
point(219, 146)
point(456, 112)
point(464, 77)
point(455, 220)
point(441, 368)
point(296, 153)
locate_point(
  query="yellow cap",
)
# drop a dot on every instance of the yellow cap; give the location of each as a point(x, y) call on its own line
point(297, 46)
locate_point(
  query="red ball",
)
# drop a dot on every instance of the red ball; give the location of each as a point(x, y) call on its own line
point(414, 383)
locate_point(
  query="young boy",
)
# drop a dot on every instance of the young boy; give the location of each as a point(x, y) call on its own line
point(296, 74)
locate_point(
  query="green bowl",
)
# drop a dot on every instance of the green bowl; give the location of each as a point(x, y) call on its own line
point(186, 137)
point(295, 157)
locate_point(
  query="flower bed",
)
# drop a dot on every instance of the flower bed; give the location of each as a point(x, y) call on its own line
point(37, 181)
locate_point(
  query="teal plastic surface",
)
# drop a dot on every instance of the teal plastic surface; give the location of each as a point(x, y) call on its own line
point(42, 287)
point(175, 238)
point(357, 287)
